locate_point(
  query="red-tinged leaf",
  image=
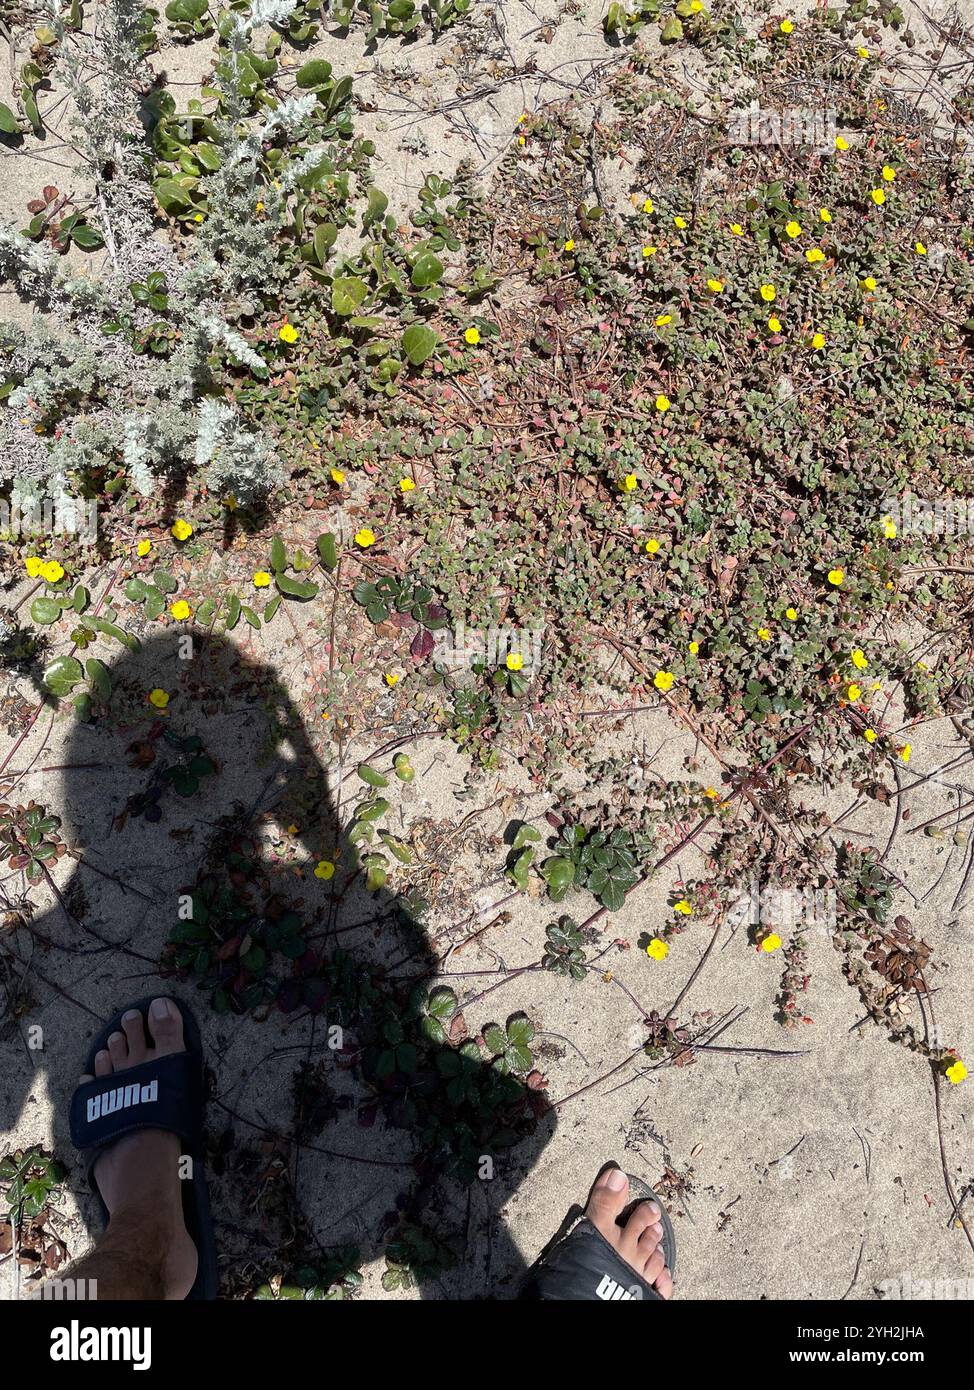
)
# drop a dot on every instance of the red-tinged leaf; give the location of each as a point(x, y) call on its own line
point(536, 1082)
point(421, 645)
point(367, 1115)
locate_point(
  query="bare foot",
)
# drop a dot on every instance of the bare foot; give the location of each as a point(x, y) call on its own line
point(639, 1241)
point(138, 1176)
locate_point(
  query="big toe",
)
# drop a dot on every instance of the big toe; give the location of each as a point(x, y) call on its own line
point(166, 1026)
point(607, 1201)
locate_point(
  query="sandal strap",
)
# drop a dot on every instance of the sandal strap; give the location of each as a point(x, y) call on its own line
point(581, 1266)
point(164, 1093)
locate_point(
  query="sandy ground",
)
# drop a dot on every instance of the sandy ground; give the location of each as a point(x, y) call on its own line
point(813, 1175)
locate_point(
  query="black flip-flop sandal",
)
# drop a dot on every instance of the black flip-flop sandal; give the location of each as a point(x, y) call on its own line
point(166, 1093)
point(578, 1263)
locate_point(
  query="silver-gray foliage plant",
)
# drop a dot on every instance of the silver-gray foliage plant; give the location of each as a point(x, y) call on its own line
point(158, 416)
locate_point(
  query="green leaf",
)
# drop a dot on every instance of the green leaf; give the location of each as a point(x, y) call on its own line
point(165, 581)
point(233, 612)
point(271, 608)
point(328, 551)
point(278, 555)
point(100, 679)
point(62, 674)
point(427, 270)
point(135, 589)
point(295, 588)
point(348, 293)
point(8, 121)
point(314, 74)
point(559, 874)
point(45, 610)
point(418, 343)
point(526, 835)
point(672, 30)
point(324, 239)
point(371, 776)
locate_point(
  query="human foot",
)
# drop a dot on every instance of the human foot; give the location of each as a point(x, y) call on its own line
point(138, 1176)
point(639, 1241)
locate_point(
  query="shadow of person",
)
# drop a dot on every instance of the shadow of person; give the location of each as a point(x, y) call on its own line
point(350, 1116)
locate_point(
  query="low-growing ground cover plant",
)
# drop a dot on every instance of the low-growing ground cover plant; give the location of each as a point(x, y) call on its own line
point(658, 415)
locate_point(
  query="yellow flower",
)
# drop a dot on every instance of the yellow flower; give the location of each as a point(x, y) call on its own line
point(905, 752)
point(765, 634)
point(715, 286)
point(814, 255)
point(683, 908)
point(365, 537)
point(793, 229)
point(515, 661)
point(955, 1073)
point(869, 283)
point(859, 659)
point(288, 334)
point(818, 340)
point(159, 698)
point(869, 735)
point(889, 528)
point(630, 482)
point(182, 530)
point(657, 949)
point(791, 614)
point(663, 319)
point(836, 577)
point(391, 678)
point(337, 476)
point(260, 205)
point(771, 942)
point(696, 6)
point(198, 217)
point(648, 205)
point(693, 648)
point(472, 335)
point(863, 52)
point(878, 197)
point(663, 680)
point(180, 610)
point(569, 245)
point(774, 323)
point(649, 251)
point(33, 565)
point(324, 869)
point(521, 140)
point(52, 571)
point(768, 293)
point(143, 548)
point(680, 223)
point(261, 579)
point(711, 793)
point(854, 692)
point(824, 215)
point(652, 547)
point(920, 249)
point(841, 143)
point(786, 26)
point(737, 229)
point(406, 485)
point(889, 173)
point(662, 402)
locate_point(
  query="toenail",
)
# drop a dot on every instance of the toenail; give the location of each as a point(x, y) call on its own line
point(159, 1008)
point(116, 1038)
point(131, 1016)
point(616, 1180)
point(654, 1211)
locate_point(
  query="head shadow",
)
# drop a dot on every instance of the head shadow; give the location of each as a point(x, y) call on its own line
point(351, 1114)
